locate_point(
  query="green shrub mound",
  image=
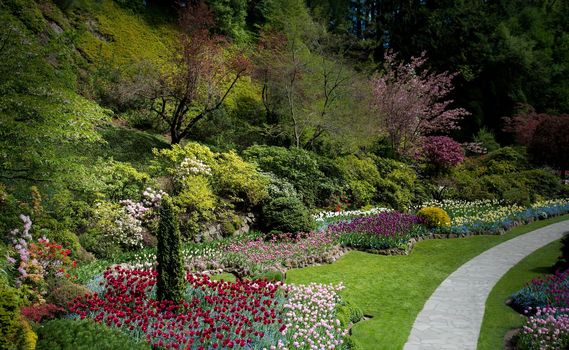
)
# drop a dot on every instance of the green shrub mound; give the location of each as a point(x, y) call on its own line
point(68, 334)
point(286, 214)
point(348, 313)
point(9, 303)
point(434, 217)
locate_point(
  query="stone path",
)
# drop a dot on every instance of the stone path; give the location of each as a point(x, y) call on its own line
point(452, 317)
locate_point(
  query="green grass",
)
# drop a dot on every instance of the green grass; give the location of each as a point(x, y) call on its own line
point(499, 318)
point(393, 289)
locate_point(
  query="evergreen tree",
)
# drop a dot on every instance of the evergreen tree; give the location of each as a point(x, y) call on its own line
point(169, 256)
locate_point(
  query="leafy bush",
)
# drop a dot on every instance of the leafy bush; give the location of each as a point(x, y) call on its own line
point(297, 166)
point(238, 180)
point(286, 214)
point(65, 237)
point(63, 291)
point(434, 217)
point(280, 187)
point(486, 140)
point(68, 334)
point(441, 153)
point(362, 178)
point(348, 313)
point(9, 304)
point(121, 181)
point(112, 230)
point(398, 186)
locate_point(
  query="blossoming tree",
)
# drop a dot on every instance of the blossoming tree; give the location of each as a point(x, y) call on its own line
point(411, 102)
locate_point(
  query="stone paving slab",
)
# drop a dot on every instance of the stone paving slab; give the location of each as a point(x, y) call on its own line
point(452, 317)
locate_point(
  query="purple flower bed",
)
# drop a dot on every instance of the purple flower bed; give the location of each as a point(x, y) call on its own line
point(389, 224)
point(382, 231)
point(551, 291)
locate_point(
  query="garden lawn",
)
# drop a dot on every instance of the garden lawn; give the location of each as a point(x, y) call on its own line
point(500, 318)
point(393, 289)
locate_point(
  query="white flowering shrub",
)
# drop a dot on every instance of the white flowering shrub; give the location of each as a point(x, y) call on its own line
point(193, 166)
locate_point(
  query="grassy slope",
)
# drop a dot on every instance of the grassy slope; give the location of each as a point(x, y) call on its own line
point(393, 289)
point(499, 318)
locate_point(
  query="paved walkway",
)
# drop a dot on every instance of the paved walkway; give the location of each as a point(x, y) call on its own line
point(452, 317)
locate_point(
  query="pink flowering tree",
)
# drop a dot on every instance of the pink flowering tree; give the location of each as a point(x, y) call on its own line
point(411, 102)
point(440, 153)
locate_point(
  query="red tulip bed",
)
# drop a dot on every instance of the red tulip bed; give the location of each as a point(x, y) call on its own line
point(217, 314)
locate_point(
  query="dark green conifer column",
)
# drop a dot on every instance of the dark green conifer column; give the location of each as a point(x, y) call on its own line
point(171, 274)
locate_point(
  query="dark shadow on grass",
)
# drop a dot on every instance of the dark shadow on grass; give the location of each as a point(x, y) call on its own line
point(544, 269)
point(128, 145)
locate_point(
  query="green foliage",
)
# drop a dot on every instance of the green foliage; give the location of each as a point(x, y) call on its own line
point(435, 217)
point(197, 200)
point(238, 180)
point(398, 186)
point(62, 291)
point(118, 35)
point(66, 334)
point(297, 166)
point(348, 313)
point(205, 183)
point(504, 175)
point(230, 17)
point(563, 260)
point(26, 337)
point(171, 273)
point(9, 311)
point(279, 187)
point(362, 178)
point(487, 140)
point(134, 5)
point(111, 231)
point(286, 214)
point(121, 181)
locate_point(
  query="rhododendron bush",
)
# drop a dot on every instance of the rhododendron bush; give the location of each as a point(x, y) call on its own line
point(37, 260)
point(441, 152)
point(216, 314)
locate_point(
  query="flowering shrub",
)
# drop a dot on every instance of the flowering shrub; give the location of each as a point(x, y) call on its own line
point(441, 151)
point(551, 291)
point(547, 329)
point(40, 312)
point(36, 261)
point(193, 166)
point(434, 217)
point(382, 231)
point(118, 225)
point(214, 314)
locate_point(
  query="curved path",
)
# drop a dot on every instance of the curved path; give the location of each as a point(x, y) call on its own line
point(452, 317)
